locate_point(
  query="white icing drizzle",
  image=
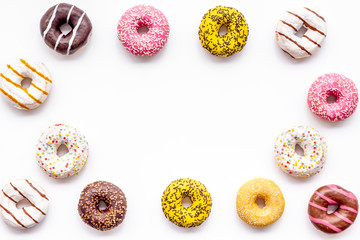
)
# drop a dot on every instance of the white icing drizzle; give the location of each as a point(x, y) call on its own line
point(74, 33)
point(67, 22)
point(58, 41)
point(50, 22)
point(69, 14)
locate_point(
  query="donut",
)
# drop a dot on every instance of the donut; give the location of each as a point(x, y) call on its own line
point(337, 86)
point(69, 164)
point(89, 205)
point(21, 97)
point(235, 38)
point(27, 216)
point(314, 148)
point(250, 212)
point(146, 44)
point(65, 14)
point(288, 26)
point(341, 218)
point(193, 215)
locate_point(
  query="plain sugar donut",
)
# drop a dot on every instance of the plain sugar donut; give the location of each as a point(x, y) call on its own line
point(77, 19)
point(338, 86)
point(149, 43)
point(291, 22)
point(250, 212)
point(69, 164)
point(28, 216)
point(25, 98)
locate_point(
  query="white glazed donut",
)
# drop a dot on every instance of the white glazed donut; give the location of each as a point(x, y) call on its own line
point(69, 164)
point(35, 94)
point(291, 22)
point(27, 216)
point(314, 148)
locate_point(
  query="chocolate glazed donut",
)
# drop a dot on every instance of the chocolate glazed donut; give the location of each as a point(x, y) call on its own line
point(89, 202)
point(344, 215)
point(59, 15)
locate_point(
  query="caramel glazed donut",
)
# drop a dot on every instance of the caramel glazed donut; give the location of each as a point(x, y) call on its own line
point(193, 215)
point(250, 212)
point(55, 18)
point(28, 216)
point(342, 217)
point(89, 202)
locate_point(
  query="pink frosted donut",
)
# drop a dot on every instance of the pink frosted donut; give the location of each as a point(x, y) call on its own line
point(337, 86)
point(149, 43)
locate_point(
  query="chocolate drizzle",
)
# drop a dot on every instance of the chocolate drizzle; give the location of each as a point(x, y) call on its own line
point(114, 199)
point(293, 41)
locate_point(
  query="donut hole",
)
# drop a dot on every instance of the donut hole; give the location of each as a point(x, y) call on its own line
point(26, 82)
point(299, 150)
point(143, 29)
point(260, 202)
point(301, 32)
point(186, 202)
point(102, 205)
point(332, 208)
point(23, 204)
point(65, 29)
point(331, 98)
point(223, 30)
point(62, 150)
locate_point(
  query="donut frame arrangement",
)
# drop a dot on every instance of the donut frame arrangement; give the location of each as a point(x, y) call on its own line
point(302, 145)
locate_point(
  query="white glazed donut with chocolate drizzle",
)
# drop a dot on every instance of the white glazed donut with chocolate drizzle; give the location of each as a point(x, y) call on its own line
point(25, 98)
point(28, 216)
point(55, 18)
point(291, 22)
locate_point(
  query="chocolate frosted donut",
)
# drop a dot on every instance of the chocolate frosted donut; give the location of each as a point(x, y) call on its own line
point(59, 15)
point(89, 205)
point(340, 219)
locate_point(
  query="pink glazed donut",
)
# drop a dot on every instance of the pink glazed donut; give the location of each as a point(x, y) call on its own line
point(149, 43)
point(339, 87)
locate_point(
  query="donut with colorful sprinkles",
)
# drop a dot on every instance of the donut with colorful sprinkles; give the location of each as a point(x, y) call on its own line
point(343, 91)
point(231, 42)
point(313, 145)
point(153, 40)
point(248, 209)
point(47, 151)
point(339, 220)
point(91, 212)
point(64, 14)
point(186, 216)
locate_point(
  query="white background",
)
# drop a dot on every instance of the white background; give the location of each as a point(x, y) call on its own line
point(181, 113)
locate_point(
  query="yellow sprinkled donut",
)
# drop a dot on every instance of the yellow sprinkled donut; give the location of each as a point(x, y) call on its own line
point(235, 38)
point(190, 216)
point(249, 211)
